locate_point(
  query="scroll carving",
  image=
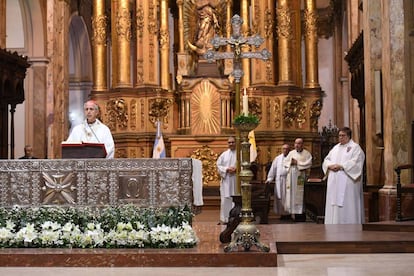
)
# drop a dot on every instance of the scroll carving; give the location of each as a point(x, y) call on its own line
point(315, 112)
point(123, 24)
point(117, 114)
point(99, 24)
point(294, 112)
point(284, 27)
point(209, 160)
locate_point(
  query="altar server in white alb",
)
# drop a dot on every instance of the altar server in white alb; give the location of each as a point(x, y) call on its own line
point(226, 166)
point(278, 173)
point(343, 167)
point(297, 162)
point(92, 130)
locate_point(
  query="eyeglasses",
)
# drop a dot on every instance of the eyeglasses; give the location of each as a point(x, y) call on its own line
point(231, 142)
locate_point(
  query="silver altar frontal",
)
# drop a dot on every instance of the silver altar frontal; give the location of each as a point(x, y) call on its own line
point(95, 182)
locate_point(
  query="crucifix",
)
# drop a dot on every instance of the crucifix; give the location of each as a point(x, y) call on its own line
point(246, 233)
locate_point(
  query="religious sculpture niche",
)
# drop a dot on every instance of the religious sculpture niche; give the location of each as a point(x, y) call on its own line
point(207, 27)
point(203, 20)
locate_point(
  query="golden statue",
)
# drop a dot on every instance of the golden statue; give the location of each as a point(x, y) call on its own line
point(207, 26)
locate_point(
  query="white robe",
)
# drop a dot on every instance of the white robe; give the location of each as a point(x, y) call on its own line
point(94, 133)
point(294, 188)
point(227, 183)
point(344, 195)
point(278, 173)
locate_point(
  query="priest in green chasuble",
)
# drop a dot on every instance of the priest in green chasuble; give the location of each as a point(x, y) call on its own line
point(296, 162)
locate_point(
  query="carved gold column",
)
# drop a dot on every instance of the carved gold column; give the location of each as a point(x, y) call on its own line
point(311, 44)
point(164, 46)
point(284, 33)
point(263, 13)
point(3, 24)
point(147, 43)
point(121, 41)
point(180, 26)
point(244, 13)
point(99, 47)
point(228, 63)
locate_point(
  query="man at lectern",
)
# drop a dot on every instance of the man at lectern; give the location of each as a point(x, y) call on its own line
point(92, 130)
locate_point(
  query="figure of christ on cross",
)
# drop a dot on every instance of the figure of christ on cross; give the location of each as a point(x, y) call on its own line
point(237, 42)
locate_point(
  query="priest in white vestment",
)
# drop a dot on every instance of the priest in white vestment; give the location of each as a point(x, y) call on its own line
point(344, 196)
point(278, 174)
point(92, 130)
point(226, 166)
point(297, 162)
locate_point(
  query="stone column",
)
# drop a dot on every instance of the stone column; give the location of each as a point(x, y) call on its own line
point(164, 46)
point(245, 15)
point(121, 44)
point(3, 24)
point(99, 46)
point(284, 33)
point(311, 44)
point(396, 132)
point(396, 111)
point(58, 14)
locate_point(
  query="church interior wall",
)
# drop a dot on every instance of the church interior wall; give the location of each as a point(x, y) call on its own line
point(326, 76)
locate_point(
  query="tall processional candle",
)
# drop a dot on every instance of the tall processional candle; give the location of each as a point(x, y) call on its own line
point(245, 103)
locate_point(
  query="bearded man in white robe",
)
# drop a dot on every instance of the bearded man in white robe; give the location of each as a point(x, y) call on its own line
point(297, 162)
point(344, 196)
point(278, 173)
point(226, 166)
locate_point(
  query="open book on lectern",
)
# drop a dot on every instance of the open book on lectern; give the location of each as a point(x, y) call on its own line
point(71, 150)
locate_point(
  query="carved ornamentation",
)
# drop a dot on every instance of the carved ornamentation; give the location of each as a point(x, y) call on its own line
point(310, 22)
point(152, 19)
point(58, 189)
point(269, 24)
point(159, 109)
point(277, 113)
point(315, 112)
point(133, 121)
point(284, 27)
point(158, 183)
point(140, 21)
point(99, 24)
point(123, 24)
point(205, 109)
point(209, 160)
point(294, 112)
point(255, 107)
point(164, 39)
point(117, 114)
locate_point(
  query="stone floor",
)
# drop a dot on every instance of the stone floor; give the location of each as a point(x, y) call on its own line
point(306, 263)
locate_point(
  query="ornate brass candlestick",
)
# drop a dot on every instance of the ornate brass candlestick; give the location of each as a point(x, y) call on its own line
point(246, 234)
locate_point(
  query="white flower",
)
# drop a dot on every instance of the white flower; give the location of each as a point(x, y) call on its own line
point(10, 225)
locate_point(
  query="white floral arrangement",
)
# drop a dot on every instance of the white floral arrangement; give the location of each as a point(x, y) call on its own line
point(125, 226)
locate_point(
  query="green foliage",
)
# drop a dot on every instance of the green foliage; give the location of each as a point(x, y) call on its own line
point(249, 119)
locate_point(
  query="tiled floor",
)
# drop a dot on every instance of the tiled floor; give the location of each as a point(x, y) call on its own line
point(288, 264)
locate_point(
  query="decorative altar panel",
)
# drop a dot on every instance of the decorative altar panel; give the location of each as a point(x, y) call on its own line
point(95, 182)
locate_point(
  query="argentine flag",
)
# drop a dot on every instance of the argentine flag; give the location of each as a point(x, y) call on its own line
point(159, 147)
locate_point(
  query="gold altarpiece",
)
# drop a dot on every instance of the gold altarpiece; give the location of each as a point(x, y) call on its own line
point(158, 72)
